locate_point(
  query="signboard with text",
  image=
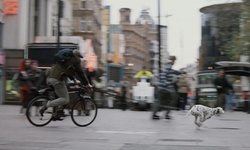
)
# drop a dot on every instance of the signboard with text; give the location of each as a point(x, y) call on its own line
point(11, 7)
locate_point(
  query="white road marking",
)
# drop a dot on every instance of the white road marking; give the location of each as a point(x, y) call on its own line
point(127, 132)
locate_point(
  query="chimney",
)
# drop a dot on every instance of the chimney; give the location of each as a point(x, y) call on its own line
point(125, 15)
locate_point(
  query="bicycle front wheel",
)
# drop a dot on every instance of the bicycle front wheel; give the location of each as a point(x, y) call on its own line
point(33, 115)
point(83, 112)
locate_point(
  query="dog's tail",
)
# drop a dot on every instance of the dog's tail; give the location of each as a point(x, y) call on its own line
point(189, 111)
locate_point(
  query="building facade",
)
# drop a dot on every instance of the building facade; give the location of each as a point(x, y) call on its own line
point(138, 38)
point(26, 20)
point(219, 22)
point(115, 59)
point(87, 23)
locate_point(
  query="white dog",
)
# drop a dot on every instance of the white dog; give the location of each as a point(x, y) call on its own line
point(202, 113)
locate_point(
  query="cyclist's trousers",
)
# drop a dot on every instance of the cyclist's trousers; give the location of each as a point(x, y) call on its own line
point(60, 90)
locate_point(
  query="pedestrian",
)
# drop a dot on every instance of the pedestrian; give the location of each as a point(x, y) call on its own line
point(223, 86)
point(197, 97)
point(125, 88)
point(183, 89)
point(230, 105)
point(35, 77)
point(24, 83)
point(166, 94)
point(245, 97)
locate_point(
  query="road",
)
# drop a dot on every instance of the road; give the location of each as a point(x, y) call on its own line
point(114, 129)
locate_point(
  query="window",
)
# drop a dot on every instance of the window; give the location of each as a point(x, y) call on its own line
point(83, 24)
point(89, 28)
point(83, 4)
point(127, 18)
point(86, 25)
point(114, 73)
point(206, 79)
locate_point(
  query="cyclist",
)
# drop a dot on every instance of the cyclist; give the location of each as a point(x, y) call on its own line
point(56, 77)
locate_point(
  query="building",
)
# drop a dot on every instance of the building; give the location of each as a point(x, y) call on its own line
point(87, 23)
point(137, 39)
point(24, 21)
point(218, 24)
point(115, 59)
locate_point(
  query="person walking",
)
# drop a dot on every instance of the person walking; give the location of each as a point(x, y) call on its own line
point(223, 86)
point(183, 89)
point(24, 83)
point(166, 94)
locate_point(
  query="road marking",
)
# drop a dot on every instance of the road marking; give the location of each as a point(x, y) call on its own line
point(127, 132)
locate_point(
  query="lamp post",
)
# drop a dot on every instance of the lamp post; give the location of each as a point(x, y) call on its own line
point(159, 35)
point(59, 15)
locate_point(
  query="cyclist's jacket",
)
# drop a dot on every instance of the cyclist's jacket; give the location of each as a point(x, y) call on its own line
point(71, 68)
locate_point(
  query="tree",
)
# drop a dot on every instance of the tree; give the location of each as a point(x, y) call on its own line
point(240, 43)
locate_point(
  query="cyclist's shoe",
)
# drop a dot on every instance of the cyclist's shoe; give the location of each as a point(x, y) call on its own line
point(58, 115)
point(56, 118)
point(42, 110)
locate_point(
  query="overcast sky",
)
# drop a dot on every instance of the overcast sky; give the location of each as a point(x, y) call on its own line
point(184, 24)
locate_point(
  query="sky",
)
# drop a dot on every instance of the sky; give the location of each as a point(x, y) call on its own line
point(182, 17)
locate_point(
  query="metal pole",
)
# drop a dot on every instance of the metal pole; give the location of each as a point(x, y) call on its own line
point(159, 35)
point(58, 24)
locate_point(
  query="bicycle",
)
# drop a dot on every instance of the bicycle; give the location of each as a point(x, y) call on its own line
point(83, 112)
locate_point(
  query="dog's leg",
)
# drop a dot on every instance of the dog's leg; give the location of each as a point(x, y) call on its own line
point(195, 121)
point(202, 117)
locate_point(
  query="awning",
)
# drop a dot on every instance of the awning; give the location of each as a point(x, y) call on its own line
point(235, 68)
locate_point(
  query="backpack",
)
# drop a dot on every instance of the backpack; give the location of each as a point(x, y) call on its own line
point(63, 56)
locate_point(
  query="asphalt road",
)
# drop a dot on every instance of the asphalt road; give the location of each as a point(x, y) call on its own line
point(114, 129)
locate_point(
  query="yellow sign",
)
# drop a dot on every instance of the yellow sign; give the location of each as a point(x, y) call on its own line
point(11, 7)
point(115, 59)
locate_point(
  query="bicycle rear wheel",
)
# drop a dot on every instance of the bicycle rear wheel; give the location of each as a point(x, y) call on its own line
point(83, 112)
point(33, 115)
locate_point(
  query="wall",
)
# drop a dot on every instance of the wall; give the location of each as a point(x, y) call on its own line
point(16, 27)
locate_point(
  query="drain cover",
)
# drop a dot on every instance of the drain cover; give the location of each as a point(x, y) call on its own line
point(170, 147)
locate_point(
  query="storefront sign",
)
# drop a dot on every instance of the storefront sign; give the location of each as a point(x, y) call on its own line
point(11, 7)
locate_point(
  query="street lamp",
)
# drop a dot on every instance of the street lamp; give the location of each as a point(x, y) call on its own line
point(59, 15)
point(159, 36)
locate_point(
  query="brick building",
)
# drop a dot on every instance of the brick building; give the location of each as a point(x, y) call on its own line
point(137, 39)
point(87, 22)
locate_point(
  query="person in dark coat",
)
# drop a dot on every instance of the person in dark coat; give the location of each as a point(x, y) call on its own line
point(222, 85)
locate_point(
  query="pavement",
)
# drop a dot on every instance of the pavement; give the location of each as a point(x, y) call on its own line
point(114, 129)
